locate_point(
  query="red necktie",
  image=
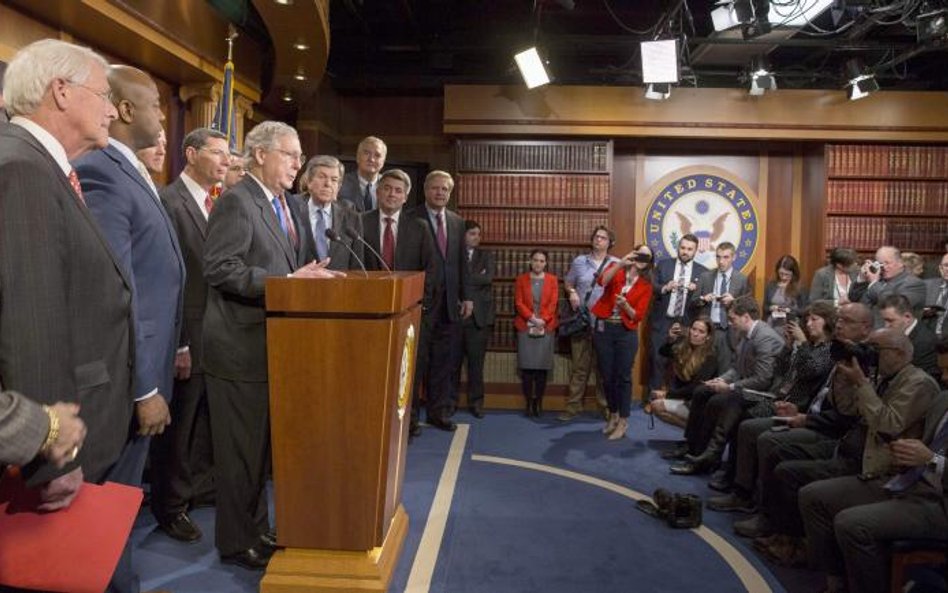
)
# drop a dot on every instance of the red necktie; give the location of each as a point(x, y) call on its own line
point(76, 187)
point(441, 236)
point(208, 204)
point(388, 244)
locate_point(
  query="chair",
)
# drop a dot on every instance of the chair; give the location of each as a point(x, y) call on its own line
point(915, 552)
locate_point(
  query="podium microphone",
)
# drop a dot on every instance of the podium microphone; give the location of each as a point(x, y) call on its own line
point(355, 235)
point(333, 236)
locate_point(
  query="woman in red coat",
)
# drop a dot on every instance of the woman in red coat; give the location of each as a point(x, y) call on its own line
point(535, 297)
point(627, 292)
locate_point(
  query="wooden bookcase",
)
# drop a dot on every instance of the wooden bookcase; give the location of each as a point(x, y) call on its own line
point(528, 194)
point(886, 195)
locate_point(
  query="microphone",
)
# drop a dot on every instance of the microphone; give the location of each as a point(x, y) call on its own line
point(333, 236)
point(355, 235)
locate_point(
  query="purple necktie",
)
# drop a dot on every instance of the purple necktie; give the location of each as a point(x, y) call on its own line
point(441, 236)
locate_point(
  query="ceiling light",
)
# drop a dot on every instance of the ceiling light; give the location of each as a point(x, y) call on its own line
point(659, 61)
point(930, 23)
point(284, 2)
point(531, 68)
point(300, 75)
point(860, 84)
point(762, 79)
point(287, 96)
point(301, 44)
point(658, 91)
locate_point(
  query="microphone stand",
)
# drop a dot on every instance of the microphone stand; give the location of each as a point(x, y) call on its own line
point(332, 236)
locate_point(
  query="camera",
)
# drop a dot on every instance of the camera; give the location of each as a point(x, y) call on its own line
point(681, 511)
point(793, 317)
point(875, 267)
point(867, 356)
point(642, 258)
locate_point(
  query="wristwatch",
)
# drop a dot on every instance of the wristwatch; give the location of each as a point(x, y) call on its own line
point(934, 462)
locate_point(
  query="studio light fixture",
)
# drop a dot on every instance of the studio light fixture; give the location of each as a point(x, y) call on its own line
point(861, 84)
point(931, 22)
point(301, 45)
point(531, 68)
point(287, 96)
point(761, 77)
point(658, 91)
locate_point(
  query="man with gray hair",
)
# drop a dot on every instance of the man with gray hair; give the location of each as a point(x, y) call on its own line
point(323, 213)
point(884, 276)
point(181, 456)
point(66, 328)
point(360, 187)
point(255, 231)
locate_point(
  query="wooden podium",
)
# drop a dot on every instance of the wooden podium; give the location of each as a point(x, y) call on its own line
point(341, 359)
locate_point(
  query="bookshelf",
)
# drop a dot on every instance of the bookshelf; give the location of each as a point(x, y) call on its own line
point(886, 195)
point(528, 194)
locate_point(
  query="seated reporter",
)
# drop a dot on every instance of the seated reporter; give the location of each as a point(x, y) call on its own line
point(625, 299)
point(694, 360)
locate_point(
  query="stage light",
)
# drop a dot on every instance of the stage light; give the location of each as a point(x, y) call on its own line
point(531, 68)
point(762, 79)
point(930, 23)
point(658, 91)
point(860, 84)
point(659, 61)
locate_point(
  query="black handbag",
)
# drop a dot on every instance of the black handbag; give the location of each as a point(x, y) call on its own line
point(577, 323)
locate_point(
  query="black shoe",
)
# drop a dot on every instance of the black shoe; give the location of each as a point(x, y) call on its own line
point(753, 527)
point(443, 424)
point(251, 559)
point(269, 539)
point(676, 454)
point(683, 468)
point(181, 528)
point(414, 429)
point(477, 412)
point(729, 503)
point(720, 484)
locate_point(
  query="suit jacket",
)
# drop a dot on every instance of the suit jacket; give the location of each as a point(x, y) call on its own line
point(344, 217)
point(23, 428)
point(663, 274)
point(899, 411)
point(66, 326)
point(350, 191)
point(142, 236)
point(924, 350)
point(414, 250)
point(453, 287)
point(823, 286)
point(245, 245)
point(932, 290)
point(707, 284)
point(756, 356)
point(905, 284)
point(480, 273)
point(523, 301)
point(191, 227)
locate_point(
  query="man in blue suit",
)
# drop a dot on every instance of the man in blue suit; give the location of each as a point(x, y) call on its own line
point(125, 203)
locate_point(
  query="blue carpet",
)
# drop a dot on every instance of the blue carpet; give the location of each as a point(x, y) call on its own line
point(513, 529)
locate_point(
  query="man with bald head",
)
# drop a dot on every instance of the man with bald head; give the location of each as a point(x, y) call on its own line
point(886, 275)
point(123, 199)
point(66, 325)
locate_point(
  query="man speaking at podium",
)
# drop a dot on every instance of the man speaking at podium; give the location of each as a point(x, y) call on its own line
point(254, 231)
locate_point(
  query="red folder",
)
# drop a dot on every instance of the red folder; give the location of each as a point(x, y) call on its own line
point(73, 550)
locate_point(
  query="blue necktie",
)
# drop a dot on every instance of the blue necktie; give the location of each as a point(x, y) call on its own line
point(322, 247)
point(279, 213)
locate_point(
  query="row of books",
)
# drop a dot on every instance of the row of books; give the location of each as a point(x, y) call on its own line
point(538, 227)
point(868, 234)
point(887, 197)
point(509, 262)
point(550, 191)
point(864, 160)
point(501, 367)
point(534, 156)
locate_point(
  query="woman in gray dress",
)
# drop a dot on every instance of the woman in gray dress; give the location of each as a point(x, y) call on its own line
point(535, 296)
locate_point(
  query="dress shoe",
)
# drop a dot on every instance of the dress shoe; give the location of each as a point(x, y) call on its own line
point(567, 416)
point(443, 424)
point(676, 454)
point(720, 484)
point(269, 539)
point(683, 468)
point(476, 411)
point(621, 427)
point(181, 528)
point(754, 527)
point(251, 559)
point(730, 503)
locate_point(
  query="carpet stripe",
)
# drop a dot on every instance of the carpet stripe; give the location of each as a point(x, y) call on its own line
point(751, 579)
point(419, 580)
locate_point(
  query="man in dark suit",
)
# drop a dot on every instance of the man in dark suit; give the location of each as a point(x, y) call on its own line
point(850, 522)
point(322, 211)
point(717, 289)
point(451, 304)
point(66, 326)
point(936, 304)
point(253, 232)
point(123, 200)
point(404, 244)
point(182, 456)
point(675, 279)
point(477, 328)
point(360, 187)
point(875, 282)
point(897, 313)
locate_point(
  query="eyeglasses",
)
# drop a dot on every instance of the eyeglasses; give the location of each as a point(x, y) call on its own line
point(104, 95)
point(216, 152)
point(293, 156)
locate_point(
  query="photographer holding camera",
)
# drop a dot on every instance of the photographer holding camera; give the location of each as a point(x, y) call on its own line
point(884, 276)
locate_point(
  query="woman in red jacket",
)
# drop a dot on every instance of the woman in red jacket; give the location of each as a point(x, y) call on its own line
point(623, 304)
point(535, 296)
